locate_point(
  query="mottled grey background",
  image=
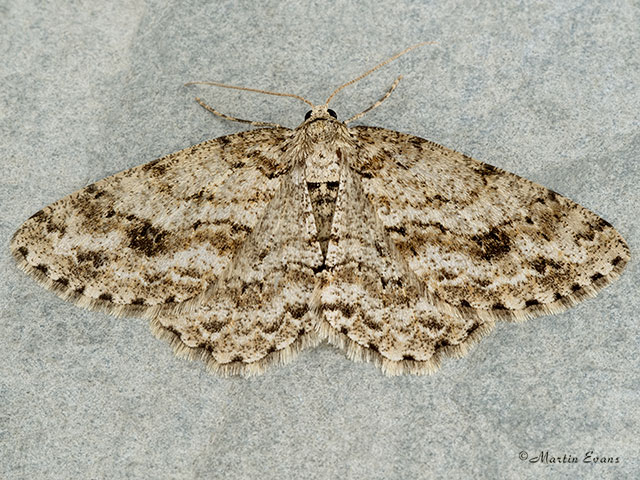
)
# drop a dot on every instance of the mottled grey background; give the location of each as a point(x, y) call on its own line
point(548, 90)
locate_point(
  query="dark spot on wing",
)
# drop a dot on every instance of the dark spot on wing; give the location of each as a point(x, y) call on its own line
point(417, 142)
point(586, 235)
point(96, 258)
point(146, 239)
point(173, 330)
point(492, 244)
point(150, 165)
point(601, 224)
point(298, 311)
point(39, 216)
point(541, 264)
point(213, 326)
point(440, 227)
point(473, 328)
point(156, 167)
point(372, 325)
point(56, 227)
point(486, 169)
point(398, 229)
point(319, 268)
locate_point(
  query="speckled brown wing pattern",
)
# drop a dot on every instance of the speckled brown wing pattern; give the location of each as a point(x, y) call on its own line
point(370, 301)
point(481, 239)
point(245, 249)
point(157, 234)
point(258, 312)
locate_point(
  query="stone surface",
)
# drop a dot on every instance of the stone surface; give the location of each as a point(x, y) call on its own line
point(545, 90)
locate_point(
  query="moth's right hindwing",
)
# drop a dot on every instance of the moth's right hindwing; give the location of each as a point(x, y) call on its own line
point(259, 311)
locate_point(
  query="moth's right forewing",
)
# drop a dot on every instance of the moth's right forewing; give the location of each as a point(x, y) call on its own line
point(157, 234)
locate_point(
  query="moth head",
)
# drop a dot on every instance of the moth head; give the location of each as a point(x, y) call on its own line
point(321, 125)
point(320, 112)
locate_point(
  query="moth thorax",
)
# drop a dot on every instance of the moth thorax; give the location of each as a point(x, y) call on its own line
point(322, 167)
point(322, 172)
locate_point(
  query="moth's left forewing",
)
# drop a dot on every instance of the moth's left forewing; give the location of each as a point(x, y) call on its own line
point(482, 239)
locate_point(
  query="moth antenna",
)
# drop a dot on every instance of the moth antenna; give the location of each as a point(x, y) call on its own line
point(266, 92)
point(380, 65)
point(235, 119)
point(377, 104)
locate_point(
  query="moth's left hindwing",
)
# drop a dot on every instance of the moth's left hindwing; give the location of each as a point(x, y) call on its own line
point(157, 234)
point(373, 305)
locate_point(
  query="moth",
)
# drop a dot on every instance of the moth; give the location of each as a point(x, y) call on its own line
point(245, 249)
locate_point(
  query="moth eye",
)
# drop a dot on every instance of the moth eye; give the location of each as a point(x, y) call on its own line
point(332, 113)
point(307, 115)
